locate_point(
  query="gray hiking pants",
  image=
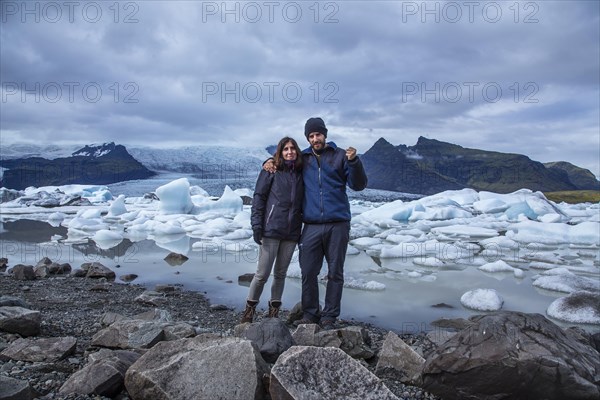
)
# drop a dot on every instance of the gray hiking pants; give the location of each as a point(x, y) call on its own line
point(318, 241)
point(272, 251)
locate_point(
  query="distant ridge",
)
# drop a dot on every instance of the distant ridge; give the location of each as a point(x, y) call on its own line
point(96, 164)
point(432, 166)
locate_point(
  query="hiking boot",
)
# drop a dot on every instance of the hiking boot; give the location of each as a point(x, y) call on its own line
point(274, 307)
point(327, 324)
point(249, 312)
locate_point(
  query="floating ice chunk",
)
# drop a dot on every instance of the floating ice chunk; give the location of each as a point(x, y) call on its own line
point(228, 204)
point(501, 266)
point(355, 283)
point(538, 203)
point(401, 238)
point(130, 216)
point(440, 214)
point(242, 219)
point(352, 251)
point(566, 281)
point(490, 206)
point(550, 218)
point(175, 197)
point(482, 300)
point(464, 231)
point(414, 274)
point(160, 228)
point(556, 233)
point(515, 211)
point(105, 234)
point(365, 242)
point(399, 251)
point(84, 224)
point(497, 266)
point(56, 216)
point(429, 262)
point(198, 191)
point(90, 214)
point(581, 307)
point(117, 207)
point(238, 234)
point(244, 192)
point(500, 241)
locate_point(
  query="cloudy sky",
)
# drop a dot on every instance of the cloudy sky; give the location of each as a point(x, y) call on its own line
point(519, 77)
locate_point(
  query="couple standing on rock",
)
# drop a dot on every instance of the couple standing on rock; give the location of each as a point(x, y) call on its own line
point(304, 186)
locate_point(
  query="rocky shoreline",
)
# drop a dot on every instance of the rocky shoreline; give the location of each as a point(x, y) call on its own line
point(73, 306)
point(78, 335)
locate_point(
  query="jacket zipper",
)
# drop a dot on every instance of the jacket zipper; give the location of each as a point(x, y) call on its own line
point(269, 216)
point(293, 179)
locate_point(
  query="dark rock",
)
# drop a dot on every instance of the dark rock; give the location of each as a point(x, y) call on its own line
point(96, 270)
point(23, 272)
point(271, 336)
point(11, 301)
point(174, 259)
point(40, 350)
point(512, 355)
point(128, 277)
point(104, 376)
point(20, 320)
point(15, 389)
point(245, 279)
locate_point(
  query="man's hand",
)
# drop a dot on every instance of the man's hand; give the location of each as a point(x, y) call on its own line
point(269, 166)
point(351, 153)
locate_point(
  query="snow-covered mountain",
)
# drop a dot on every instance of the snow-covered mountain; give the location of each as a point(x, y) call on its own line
point(200, 159)
point(49, 152)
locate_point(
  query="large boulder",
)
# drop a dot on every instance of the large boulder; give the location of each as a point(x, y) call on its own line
point(271, 336)
point(130, 334)
point(308, 372)
point(20, 320)
point(512, 355)
point(354, 340)
point(97, 270)
point(399, 361)
point(197, 368)
point(104, 375)
point(15, 389)
point(40, 350)
point(23, 272)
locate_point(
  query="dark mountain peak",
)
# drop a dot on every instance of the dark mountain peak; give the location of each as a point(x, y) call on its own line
point(424, 142)
point(96, 150)
point(382, 142)
point(580, 177)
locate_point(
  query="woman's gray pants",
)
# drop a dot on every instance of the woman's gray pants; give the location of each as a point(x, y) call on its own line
point(272, 251)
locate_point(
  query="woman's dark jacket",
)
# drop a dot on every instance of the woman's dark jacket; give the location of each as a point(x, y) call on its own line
point(277, 204)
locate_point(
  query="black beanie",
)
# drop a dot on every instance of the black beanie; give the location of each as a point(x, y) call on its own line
point(315, 125)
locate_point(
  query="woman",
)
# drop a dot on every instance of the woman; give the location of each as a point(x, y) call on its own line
point(276, 224)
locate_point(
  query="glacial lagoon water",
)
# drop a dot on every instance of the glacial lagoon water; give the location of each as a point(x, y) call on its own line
point(407, 304)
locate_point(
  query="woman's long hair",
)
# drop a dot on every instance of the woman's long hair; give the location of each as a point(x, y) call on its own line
point(279, 161)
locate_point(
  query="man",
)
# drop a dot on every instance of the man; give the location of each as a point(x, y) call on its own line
point(326, 216)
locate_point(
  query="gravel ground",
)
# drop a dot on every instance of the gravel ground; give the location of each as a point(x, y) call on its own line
point(74, 307)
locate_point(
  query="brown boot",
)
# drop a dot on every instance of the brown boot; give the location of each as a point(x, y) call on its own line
point(249, 312)
point(274, 307)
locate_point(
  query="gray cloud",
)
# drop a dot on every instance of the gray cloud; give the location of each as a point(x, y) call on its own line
point(175, 73)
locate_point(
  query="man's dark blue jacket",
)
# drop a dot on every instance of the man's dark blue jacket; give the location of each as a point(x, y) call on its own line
point(325, 180)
